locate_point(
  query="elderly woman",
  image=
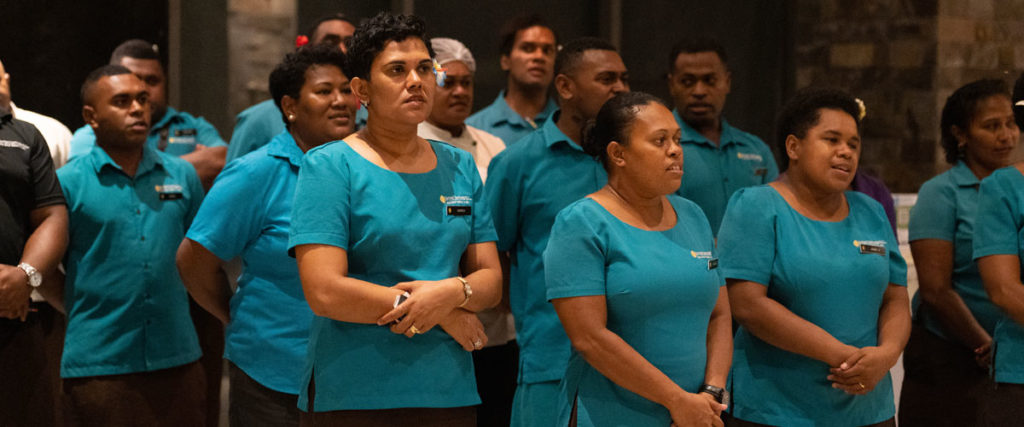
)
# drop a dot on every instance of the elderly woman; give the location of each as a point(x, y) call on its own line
point(248, 213)
point(949, 352)
point(392, 238)
point(815, 279)
point(632, 276)
point(496, 364)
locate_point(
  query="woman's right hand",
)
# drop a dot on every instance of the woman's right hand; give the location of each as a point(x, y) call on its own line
point(429, 302)
point(689, 409)
point(465, 328)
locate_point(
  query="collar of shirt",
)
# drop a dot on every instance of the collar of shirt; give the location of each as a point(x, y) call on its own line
point(464, 141)
point(554, 136)
point(963, 176)
point(165, 121)
point(690, 134)
point(150, 160)
point(507, 114)
point(283, 146)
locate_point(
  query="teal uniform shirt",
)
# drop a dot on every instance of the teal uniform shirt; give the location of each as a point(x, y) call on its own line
point(660, 288)
point(832, 274)
point(127, 310)
point(711, 174)
point(500, 120)
point(248, 213)
point(177, 134)
point(395, 227)
point(527, 185)
point(257, 125)
point(945, 210)
point(997, 231)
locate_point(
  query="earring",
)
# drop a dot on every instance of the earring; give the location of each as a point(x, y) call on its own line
point(291, 117)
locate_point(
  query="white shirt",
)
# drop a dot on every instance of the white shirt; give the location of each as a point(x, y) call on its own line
point(57, 136)
point(482, 145)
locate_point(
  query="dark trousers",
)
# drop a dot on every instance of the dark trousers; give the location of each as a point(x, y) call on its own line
point(254, 405)
point(211, 340)
point(170, 397)
point(496, 370)
point(28, 372)
point(942, 384)
point(1002, 405)
point(736, 422)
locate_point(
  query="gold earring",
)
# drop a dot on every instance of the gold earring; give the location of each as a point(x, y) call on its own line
point(291, 117)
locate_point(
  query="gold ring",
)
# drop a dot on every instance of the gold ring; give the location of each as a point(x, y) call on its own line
point(417, 331)
point(861, 386)
point(478, 344)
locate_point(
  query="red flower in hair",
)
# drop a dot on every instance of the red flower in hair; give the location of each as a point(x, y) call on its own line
point(301, 41)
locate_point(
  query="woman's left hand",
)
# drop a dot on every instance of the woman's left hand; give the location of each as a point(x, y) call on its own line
point(429, 302)
point(861, 372)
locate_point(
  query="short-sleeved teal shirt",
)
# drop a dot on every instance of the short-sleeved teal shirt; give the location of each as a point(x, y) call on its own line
point(127, 310)
point(527, 185)
point(500, 120)
point(712, 173)
point(395, 227)
point(177, 134)
point(248, 213)
point(257, 125)
point(998, 231)
point(945, 210)
point(832, 274)
point(660, 288)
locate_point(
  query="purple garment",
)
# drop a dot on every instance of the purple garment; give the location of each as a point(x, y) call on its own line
point(877, 190)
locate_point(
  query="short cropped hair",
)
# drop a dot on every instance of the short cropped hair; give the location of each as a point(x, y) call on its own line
point(696, 45)
point(614, 122)
point(97, 74)
point(135, 48)
point(803, 111)
point(960, 109)
point(311, 30)
point(289, 76)
point(512, 27)
point(370, 38)
point(569, 57)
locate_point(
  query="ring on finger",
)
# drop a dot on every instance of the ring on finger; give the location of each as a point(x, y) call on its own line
point(414, 330)
point(478, 344)
point(861, 385)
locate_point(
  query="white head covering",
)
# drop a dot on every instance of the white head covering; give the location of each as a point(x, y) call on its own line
point(447, 50)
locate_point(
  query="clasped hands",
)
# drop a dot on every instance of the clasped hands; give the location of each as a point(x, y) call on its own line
point(15, 292)
point(862, 369)
point(435, 303)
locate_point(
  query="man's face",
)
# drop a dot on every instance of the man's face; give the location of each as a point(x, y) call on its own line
point(454, 101)
point(598, 77)
point(336, 28)
point(118, 110)
point(152, 75)
point(5, 89)
point(531, 62)
point(699, 84)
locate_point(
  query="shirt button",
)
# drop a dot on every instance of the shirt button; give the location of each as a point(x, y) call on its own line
point(143, 238)
point(138, 211)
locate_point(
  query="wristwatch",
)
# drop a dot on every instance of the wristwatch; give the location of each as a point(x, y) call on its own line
point(721, 395)
point(34, 277)
point(466, 290)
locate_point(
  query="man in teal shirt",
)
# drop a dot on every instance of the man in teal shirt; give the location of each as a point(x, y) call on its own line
point(528, 58)
point(718, 159)
point(130, 352)
point(527, 185)
point(174, 132)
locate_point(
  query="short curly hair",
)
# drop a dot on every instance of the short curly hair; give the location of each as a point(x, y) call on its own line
point(613, 123)
point(960, 109)
point(803, 111)
point(289, 76)
point(371, 37)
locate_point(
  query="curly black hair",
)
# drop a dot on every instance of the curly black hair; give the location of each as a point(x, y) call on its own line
point(613, 123)
point(803, 111)
point(572, 53)
point(371, 37)
point(289, 76)
point(960, 109)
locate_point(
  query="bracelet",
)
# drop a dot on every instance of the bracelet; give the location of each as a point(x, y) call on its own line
point(466, 290)
point(399, 299)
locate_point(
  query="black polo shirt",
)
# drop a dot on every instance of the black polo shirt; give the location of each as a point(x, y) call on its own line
point(27, 182)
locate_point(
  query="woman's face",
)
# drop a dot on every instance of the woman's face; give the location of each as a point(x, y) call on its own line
point(402, 83)
point(326, 108)
point(652, 160)
point(454, 101)
point(991, 135)
point(828, 154)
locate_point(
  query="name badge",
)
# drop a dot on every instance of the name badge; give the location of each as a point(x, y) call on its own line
point(185, 132)
point(170, 192)
point(760, 171)
point(712, 264)
point(460, 210)
point(458, 205)
point(872, 249)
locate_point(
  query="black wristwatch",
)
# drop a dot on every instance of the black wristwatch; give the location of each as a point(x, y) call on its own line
point(721, 395)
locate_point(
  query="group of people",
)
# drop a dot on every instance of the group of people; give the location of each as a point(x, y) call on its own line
point(573, 254)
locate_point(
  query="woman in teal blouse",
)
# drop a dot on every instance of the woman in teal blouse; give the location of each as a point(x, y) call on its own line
point(947, 358)
point(815, 280)
point(392, 238)
point(632, 275)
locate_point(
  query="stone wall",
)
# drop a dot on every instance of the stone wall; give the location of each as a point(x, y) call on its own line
point(903, 58)
point(260, 33)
